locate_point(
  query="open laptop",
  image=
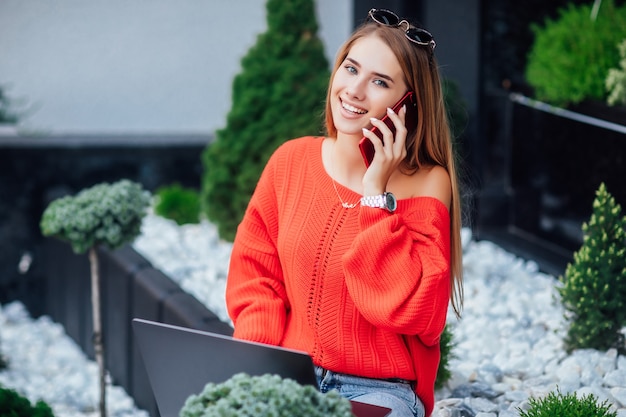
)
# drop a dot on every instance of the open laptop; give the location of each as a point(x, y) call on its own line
point(180, 361)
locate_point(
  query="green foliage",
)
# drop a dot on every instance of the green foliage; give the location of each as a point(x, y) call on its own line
point(571, 55)
point(569, 405)
point(13, 404)
point(264, 396)
point(7, 115)
point(456, 106)
point(616, 79)
point(278, 95)
point(445, 345)
point(594, 289)
point(178, 203)
point(108, 214)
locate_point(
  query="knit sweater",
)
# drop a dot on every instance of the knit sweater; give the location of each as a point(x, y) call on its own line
point(363, 291)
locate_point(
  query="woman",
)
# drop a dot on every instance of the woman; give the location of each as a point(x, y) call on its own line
point(356, 265)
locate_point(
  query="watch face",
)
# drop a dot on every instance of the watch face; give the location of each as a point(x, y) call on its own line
point(390, 202)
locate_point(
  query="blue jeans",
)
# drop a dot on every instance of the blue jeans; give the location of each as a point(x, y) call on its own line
point(398, 395)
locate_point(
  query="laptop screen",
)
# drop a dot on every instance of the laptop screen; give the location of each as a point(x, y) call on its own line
point(181, 361)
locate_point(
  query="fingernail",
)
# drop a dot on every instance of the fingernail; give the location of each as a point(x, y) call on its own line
point(390, 110)
point(373, 119)
point(365, 130)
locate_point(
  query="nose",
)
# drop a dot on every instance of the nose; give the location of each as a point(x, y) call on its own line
point(356, 88)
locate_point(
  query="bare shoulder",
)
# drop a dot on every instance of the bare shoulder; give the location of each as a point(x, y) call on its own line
point(433, 181)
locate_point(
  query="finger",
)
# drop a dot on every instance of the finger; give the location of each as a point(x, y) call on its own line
point(385, 134)
point(398, 120)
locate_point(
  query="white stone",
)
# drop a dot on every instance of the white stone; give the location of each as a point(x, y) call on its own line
point(616, 378)
point(482, 405)
point(619, 393)
point(516, 396)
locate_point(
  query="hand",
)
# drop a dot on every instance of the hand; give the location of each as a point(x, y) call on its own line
point(389, 152)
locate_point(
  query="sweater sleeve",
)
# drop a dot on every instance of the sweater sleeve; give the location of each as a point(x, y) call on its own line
point(255, 292)
point(398, 268)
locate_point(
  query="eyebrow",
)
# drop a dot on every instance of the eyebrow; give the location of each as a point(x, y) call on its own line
point(378, 74)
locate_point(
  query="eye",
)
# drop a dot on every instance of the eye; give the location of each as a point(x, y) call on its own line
point(351, 69)
point(381, 83)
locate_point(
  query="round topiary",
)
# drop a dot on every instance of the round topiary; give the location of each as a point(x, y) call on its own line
point(108, 214)
point(616, 80)
point(571, 55)
point(178, 203)
point(264, 396)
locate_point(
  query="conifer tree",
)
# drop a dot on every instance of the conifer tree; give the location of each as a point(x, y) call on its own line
point(278, 95)
point(594, 290)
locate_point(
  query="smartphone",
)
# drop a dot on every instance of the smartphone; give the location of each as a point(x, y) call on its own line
point(410, 121)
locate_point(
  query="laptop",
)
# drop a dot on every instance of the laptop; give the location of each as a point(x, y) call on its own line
point(180, 361)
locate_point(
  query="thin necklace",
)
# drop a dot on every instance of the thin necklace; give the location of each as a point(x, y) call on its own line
point(332, 171)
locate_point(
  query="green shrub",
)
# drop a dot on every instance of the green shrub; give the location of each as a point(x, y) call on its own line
point(456, 106)
point(569, 405)
point(7, 114)
point(178, 203)
point(109, 214)
point(571, 56)
point(445, 345)
point(279, 95)
point(13, 404)
point(616, 80)
point(264, 396)
point(594, 289)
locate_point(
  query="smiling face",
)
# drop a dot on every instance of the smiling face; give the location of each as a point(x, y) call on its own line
point(368, 81)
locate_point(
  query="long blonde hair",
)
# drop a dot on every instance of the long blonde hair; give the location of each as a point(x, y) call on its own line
point(430, 143)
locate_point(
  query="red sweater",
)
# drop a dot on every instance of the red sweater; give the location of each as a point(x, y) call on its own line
point(363, 291)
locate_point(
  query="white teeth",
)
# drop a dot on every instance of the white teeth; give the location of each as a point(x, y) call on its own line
point(352, 108)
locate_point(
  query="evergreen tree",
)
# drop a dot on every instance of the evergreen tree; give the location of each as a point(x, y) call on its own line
point(278, 95)
point(594, 289)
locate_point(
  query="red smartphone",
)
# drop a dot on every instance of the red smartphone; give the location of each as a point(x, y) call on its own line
point(410, 121)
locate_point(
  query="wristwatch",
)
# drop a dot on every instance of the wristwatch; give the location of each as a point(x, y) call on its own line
point(385, 201)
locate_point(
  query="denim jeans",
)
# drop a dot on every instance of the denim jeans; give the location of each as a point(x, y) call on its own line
point(398, 395)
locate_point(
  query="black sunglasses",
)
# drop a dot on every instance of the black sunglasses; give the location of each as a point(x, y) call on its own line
point(416, 35)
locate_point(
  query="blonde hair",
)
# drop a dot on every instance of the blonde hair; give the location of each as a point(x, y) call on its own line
point(430, 143)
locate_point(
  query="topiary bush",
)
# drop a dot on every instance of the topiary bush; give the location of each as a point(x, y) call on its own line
point(264, 396)
point(571, 55)
point(178, 203)
point(105, 214)
point(108, 214)
point(569, 405)
point(13, 404)
point(278, 95)
point(616, 80)
point(594, 290)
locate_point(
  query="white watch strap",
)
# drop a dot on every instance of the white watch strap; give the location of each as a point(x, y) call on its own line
point(376, 201)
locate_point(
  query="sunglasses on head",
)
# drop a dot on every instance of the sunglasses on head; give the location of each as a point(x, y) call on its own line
point(416, 35)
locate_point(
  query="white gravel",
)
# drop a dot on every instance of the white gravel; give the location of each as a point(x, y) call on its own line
point(508, 343)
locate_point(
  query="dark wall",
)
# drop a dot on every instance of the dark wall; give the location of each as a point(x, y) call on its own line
point(129, 288)
point(35, 170)
point(557, 164)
